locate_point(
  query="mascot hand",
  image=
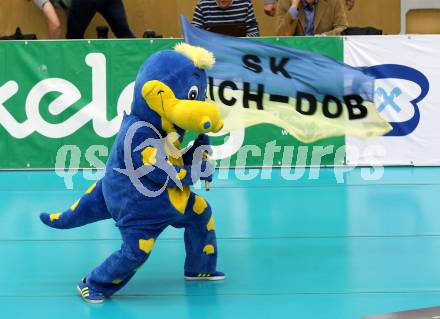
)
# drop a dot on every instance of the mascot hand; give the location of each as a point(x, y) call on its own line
point(207, 169)
point(200, 150)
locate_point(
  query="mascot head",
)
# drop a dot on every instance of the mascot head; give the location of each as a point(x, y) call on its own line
point(170, 91)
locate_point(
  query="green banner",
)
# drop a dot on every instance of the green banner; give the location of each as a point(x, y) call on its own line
point(60, 100)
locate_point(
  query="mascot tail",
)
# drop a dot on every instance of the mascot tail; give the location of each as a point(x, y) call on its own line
point(88, 209)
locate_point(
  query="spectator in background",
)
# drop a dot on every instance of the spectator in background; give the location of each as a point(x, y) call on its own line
point(82, 12)
point(52, 19)
point(310, 17)
point(270, 6)
point(211, 12)
point(349, 4)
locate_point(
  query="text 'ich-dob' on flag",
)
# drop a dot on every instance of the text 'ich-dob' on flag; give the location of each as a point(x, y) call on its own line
point(309, 95)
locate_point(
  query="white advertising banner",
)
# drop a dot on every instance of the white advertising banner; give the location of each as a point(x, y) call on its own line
point(407, 94)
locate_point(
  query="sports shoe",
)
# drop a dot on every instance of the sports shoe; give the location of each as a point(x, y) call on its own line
point(218, 275)
point(88, 294)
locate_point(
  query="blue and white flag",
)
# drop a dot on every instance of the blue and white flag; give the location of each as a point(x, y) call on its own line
point(309, 95)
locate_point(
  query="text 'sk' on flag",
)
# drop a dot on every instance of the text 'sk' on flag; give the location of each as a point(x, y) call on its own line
point(309, 95)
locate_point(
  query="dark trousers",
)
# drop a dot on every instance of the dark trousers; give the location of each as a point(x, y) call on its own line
point(81, 12)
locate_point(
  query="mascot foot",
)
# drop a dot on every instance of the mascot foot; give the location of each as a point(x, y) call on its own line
point(218, 275)
point(52, 220)
point(88, 294)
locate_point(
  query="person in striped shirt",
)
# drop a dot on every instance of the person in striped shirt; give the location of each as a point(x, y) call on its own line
point(211, 12)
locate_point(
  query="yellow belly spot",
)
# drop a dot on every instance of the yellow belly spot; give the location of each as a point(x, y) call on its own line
point(149, 156)
point(91, 188)
point(54, 216)
point(211, 225)
point(182, 174)
point(117, 281)
point(178, 198)
point(146, 245)
point(199, 205)
point(209, 249)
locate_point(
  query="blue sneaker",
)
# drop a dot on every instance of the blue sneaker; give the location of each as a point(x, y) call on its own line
point(218, 275)
point(88, 294)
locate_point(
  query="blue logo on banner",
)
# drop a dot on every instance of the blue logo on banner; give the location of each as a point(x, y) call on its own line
point(395, 71)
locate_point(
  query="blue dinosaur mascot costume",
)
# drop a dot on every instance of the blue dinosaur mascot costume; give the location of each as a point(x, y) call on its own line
point(146, 184)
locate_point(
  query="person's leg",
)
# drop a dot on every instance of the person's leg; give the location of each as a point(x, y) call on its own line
point(118, 269)
point(113, 12)
point(88, 209)
point(200, 239)
point(80, 14)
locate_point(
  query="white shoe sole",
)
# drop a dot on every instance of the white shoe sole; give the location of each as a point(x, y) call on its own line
point(88, 300)
point(213, 278)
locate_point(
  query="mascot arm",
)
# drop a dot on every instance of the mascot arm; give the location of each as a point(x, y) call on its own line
point(177, 175)
point(159, 170)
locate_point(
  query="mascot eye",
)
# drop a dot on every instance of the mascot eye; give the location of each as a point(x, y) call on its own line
point(193, 93)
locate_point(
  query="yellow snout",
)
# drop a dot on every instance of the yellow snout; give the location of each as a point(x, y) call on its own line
point(191, 115)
